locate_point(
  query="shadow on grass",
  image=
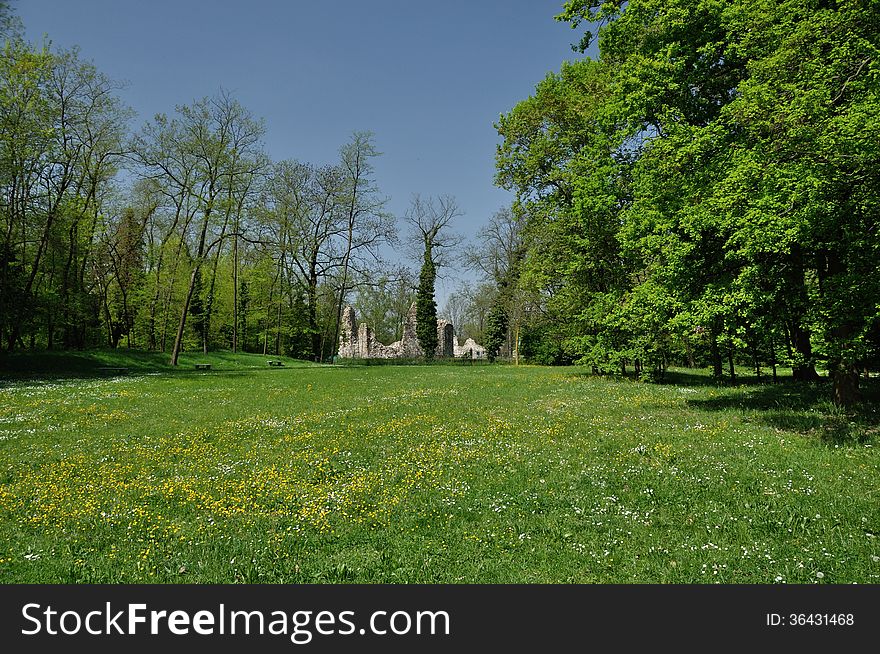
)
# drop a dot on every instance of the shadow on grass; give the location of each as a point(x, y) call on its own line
point(684, 377)
point(98, 364)
point(790, 406)
point(677, 377)
point(803, 408)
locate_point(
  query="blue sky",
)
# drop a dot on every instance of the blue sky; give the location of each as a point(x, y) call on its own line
point(428, 78)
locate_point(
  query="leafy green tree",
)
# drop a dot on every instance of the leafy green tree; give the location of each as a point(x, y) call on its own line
point(61, 126)
point(707, 188)
point(426, 307)
point(569, 167)
point(496, 330)
point(201, 156)
point(121, 254)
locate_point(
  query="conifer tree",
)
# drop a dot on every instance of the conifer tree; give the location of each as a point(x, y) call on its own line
point(426, 307)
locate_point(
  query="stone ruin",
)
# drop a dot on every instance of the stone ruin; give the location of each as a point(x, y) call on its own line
point(359, 342)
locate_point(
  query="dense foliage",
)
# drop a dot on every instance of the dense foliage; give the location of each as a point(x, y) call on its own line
point(706, 190)
point(426, 307)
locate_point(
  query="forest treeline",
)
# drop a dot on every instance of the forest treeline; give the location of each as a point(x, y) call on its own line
point(182, 233)
point(703, 192)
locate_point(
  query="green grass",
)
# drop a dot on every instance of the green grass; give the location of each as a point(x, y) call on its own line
point(428, 474)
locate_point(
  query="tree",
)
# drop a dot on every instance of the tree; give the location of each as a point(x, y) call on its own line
point(122, 251)
point(426, 307)
point(243, 301)
point(10, 24)
point(429, 224)
point(62, 129)
point(496, 330)
point(499, 258)
point(568, 166)
point(200, 157)
point(319, 224)
point(26, 150)
point(367, 224)
point(197, 310)
point(706, 188)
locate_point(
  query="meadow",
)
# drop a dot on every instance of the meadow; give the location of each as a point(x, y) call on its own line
point(426, 474)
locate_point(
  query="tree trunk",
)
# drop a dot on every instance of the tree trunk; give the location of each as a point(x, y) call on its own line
point(35, 267)
point(804, 368)
point(730, 363)
point(516, 344)
point(689, 352)
point(235, 291)
point(842, 365)
point(181, 325)
point(313, 312)
point(201, 253)
point(209, 305)
point(266, 329)
point(278, 325)
point(166, 310)
point(773, 356)
point(715, 351)
point(756, 362)
point(845, 378)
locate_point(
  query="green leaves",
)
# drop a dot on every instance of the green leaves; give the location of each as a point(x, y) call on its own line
point(426, 306)
point(714, 170)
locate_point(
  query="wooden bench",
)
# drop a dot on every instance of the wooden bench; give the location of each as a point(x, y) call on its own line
point(203, 366)
point(117, 371)
point(276, 363)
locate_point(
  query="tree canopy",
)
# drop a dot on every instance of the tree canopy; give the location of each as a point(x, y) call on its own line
point(706, 189)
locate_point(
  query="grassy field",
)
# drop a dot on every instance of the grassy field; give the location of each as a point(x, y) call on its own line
point(425, 474)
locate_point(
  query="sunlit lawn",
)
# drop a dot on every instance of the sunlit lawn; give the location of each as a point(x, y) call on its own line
point(424, 474)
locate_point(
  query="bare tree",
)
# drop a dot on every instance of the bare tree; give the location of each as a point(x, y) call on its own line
point(432, 240)
point(498, 257)
point(457, 308)
point(430, 230)
point(367, 224)
point(500, 246)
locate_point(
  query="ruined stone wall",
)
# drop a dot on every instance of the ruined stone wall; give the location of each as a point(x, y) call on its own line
point(359, 341)
point(408, 346)
point(348, 335)
point(470, 350)
point(445, 345)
